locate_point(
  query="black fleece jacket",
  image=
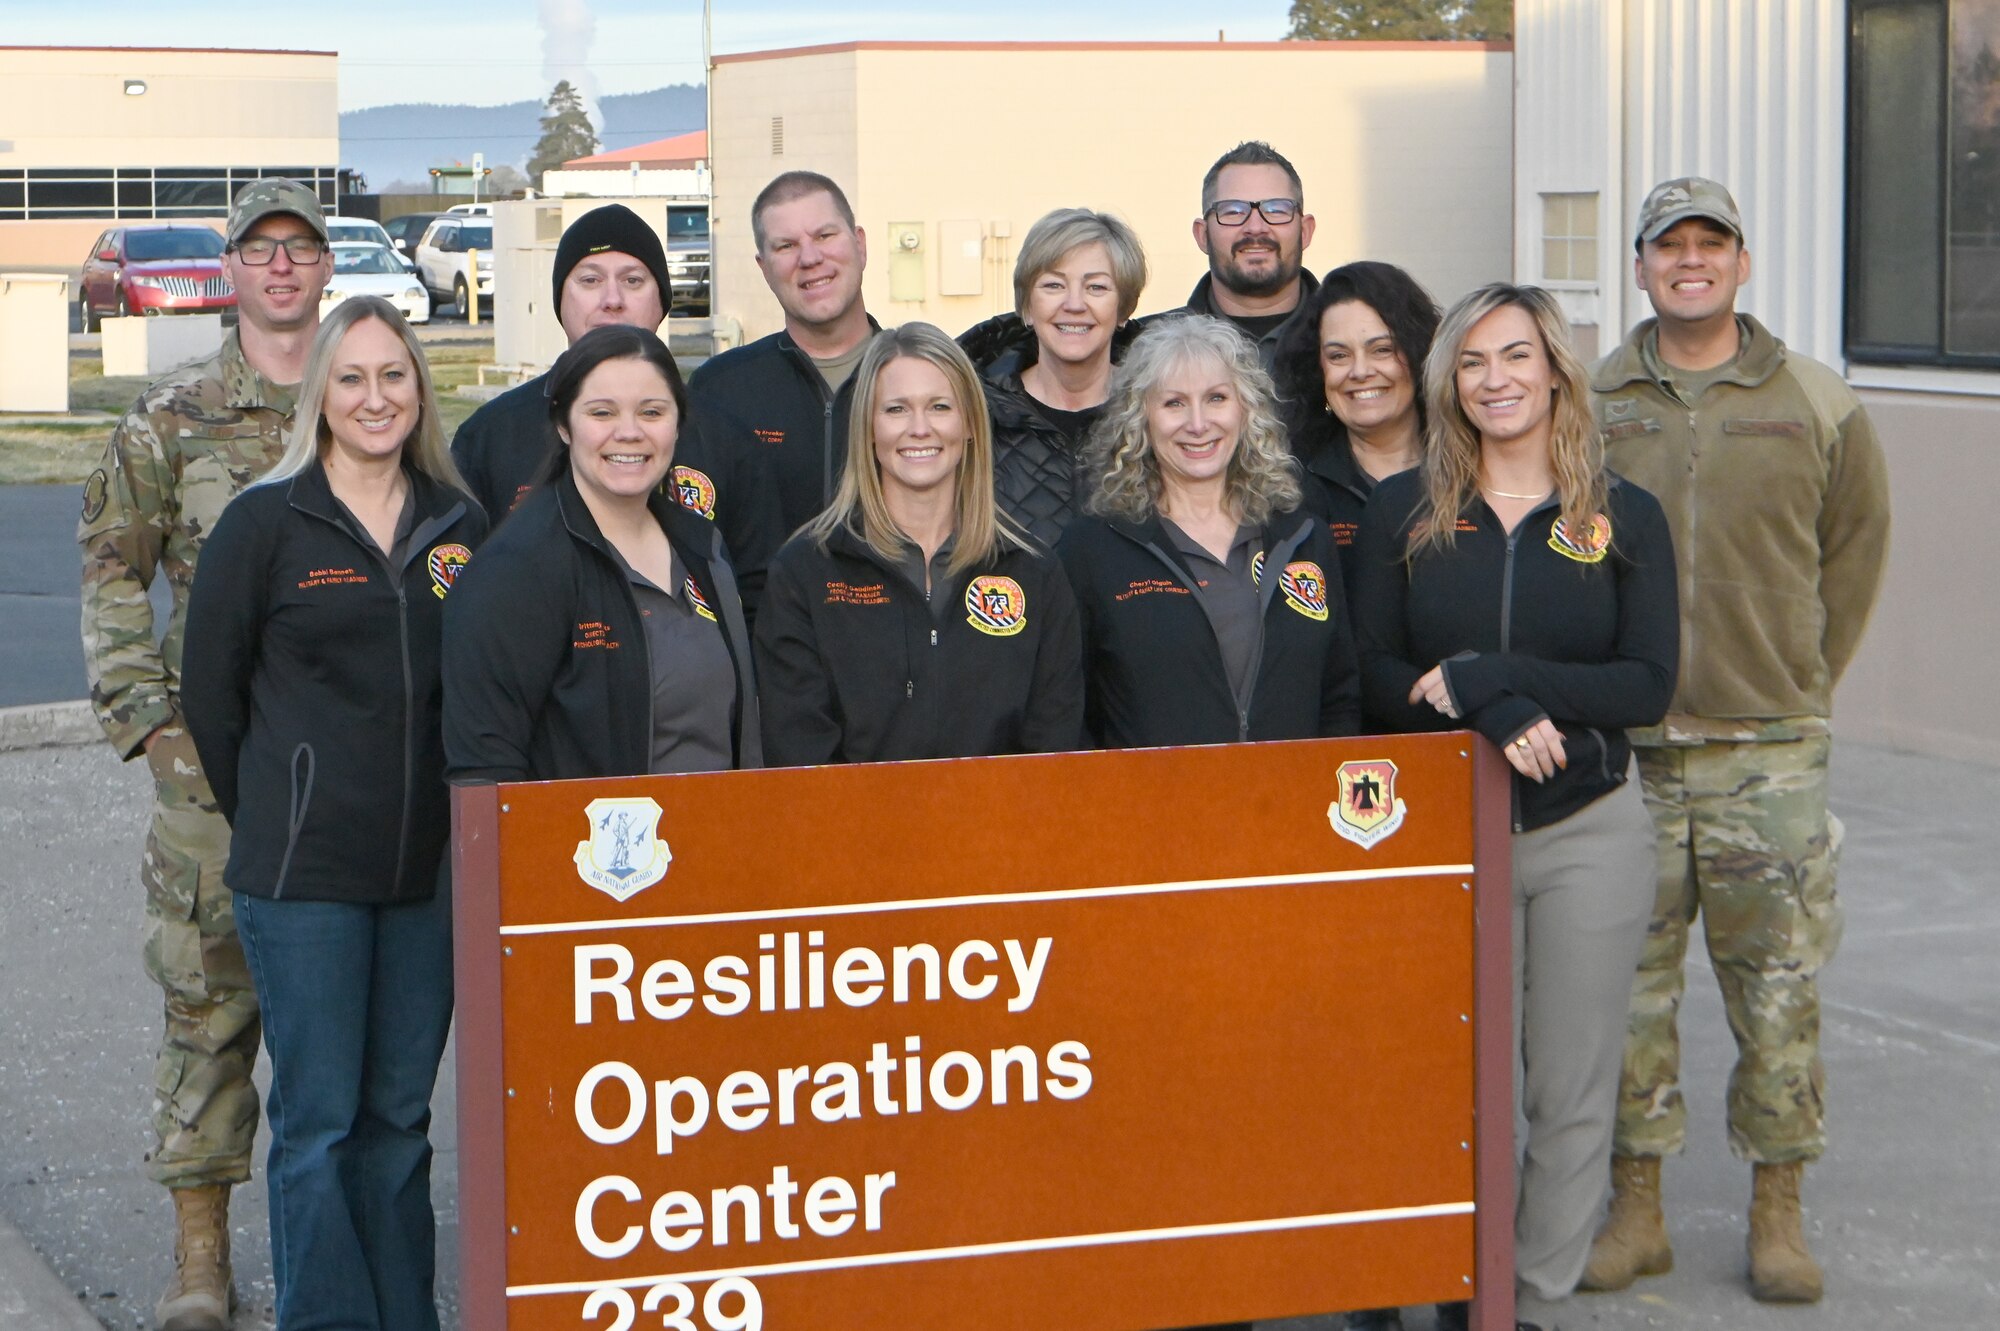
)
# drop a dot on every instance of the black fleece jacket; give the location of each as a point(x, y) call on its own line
point(857, 666)
point(1534, 624)
point(311, 687)
point(547, 672)
point(1336, 487)
point(1153, 670)
point(503, 448)
point(779, 395)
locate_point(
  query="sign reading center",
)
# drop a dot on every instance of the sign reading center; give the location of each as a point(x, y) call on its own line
point(919, 1044)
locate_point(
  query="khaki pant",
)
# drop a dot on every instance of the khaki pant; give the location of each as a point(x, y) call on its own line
point(1581, 892)
point(204, 1105)
point(1746, 843)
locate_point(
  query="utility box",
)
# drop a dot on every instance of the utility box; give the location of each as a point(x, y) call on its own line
point(34, 342)
point(148, 347)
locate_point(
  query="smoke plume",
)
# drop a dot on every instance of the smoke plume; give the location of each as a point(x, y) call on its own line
point(568, 30)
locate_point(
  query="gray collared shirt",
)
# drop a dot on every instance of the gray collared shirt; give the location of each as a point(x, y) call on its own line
point(1227, 590)
point(911, 564)
point(694, 679)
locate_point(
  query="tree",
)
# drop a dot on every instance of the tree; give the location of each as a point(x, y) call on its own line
point(566, 132)
point(1402, 20)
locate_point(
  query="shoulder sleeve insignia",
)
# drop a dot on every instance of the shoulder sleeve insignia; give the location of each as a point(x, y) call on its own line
point(95, 492)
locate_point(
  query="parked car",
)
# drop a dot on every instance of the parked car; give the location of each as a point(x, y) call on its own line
point(168, 268)
point(471, 210)
point(446, 264)
point(688, 258)
point(356, 228)
point(407, 230)
point(364, 268)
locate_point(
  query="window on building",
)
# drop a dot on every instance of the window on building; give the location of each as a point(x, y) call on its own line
point(1923, 261)
point(1569, 237)
point(139, 193)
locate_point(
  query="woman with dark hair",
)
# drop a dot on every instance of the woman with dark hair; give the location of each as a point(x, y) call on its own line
point(967, 645)
point(1514, 585)
point(1196, 499)
point(312, 685)
point(1046, 368)
point(600, 633)
point(1350, 371)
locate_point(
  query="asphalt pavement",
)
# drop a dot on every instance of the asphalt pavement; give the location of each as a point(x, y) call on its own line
point(1904, 1211)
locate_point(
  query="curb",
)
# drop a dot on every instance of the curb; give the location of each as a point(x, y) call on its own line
point(44, 724)
point(32, 1295)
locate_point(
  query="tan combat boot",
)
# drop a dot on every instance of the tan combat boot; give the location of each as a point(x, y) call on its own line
point(1633, 1241)
point(1781, 1270)
point(201, 1296)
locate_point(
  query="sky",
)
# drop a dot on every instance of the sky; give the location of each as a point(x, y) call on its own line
point(396, 51)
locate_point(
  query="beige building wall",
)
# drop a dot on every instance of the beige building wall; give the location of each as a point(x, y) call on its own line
point(1919, 681)
point(1405, 151)
point(67, 107)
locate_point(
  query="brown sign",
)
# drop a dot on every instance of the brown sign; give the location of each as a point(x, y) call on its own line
point(1104, 1041)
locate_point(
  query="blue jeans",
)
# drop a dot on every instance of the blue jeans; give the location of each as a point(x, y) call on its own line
point(357, 1004)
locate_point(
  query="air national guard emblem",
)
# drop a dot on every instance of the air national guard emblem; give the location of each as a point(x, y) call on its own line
point(1367, 809)
point(996, 606)
point(1586, 547)
point(695, 491)
point(1304, 586)
point(445, 563)
point(623, 856)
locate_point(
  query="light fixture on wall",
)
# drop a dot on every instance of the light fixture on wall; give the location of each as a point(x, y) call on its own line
point(135, 87)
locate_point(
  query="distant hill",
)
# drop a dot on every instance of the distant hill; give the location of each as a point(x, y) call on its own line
point(392, 143)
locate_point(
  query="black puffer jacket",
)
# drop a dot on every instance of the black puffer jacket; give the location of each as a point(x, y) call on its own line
point(1035, 465)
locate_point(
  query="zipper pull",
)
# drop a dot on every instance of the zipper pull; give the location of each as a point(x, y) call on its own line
point(909, 688)
point(933, 637)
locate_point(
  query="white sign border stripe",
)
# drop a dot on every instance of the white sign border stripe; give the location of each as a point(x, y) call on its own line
point(1323, 1221)
point(987, 899)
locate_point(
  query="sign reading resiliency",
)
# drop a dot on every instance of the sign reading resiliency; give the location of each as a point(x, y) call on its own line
point(1102, 1041)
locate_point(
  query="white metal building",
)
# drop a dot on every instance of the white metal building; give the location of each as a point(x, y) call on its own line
point(1861, 139)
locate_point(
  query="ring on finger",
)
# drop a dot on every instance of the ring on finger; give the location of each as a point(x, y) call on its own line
point(1521, 743)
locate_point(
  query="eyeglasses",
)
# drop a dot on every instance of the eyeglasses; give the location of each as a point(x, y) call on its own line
point(1235, 212)
point(260, 250)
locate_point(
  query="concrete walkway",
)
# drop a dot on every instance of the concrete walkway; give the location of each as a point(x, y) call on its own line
point(1904, 1211)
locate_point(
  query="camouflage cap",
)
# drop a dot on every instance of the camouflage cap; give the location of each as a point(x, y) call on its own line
point(1690, 196)
point(274, 194)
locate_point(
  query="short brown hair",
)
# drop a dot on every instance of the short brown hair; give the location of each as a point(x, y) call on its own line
point(796, 185)
point(1066, 229)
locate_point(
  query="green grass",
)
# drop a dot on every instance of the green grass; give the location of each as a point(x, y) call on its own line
point(66, 453)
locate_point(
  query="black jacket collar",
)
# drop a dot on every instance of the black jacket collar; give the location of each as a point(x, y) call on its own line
point(439, 506)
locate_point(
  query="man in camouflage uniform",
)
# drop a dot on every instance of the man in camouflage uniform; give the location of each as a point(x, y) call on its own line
point(1777, 494)
point(193, 440)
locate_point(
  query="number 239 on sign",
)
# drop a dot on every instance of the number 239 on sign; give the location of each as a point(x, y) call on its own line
point(749, 1315)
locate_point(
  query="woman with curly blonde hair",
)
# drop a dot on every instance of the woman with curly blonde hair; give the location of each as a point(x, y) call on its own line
point(1211, 601)
point(1512, 585)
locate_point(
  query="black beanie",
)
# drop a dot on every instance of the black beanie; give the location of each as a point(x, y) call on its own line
point(613, 227)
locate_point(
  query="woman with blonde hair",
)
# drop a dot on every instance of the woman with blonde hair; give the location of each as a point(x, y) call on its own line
point(1211, 601)
point(1046, 368)
point(1514, 585)
point(313, 689)
point(912, 619)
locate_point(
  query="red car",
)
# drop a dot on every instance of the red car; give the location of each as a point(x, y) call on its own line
point(163, 269)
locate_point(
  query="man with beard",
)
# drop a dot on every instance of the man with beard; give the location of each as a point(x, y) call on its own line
point(1254, 229)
